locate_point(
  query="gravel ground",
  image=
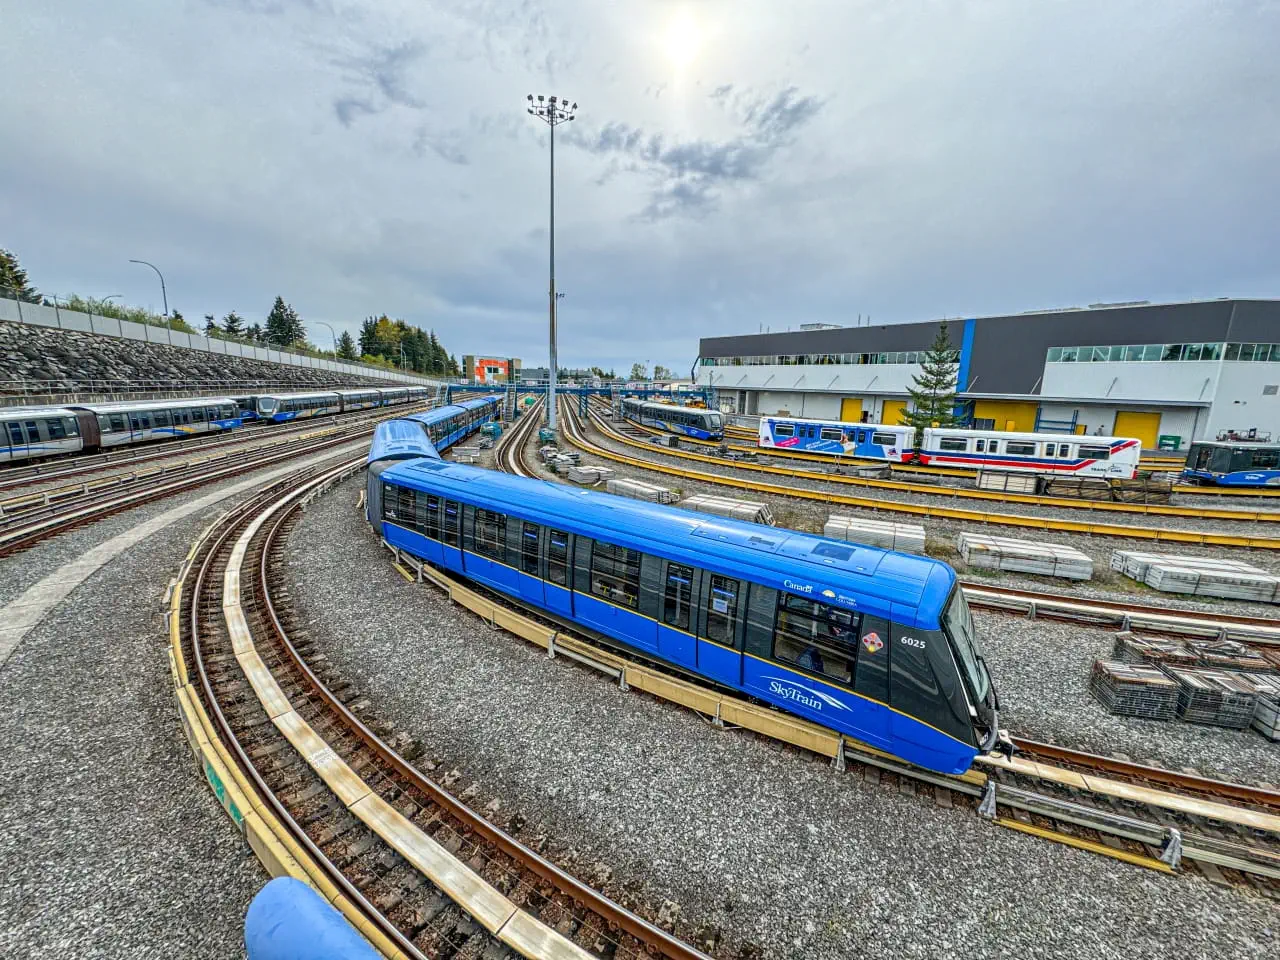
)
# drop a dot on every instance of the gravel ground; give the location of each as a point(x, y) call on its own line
point(765, 844)
point(810, 516)
point(111, 845)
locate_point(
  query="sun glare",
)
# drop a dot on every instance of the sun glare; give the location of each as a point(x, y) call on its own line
point(683, 39)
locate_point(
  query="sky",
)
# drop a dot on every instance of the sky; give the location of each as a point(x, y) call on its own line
point(733, 166)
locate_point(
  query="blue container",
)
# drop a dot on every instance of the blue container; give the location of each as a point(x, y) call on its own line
point(289, 921)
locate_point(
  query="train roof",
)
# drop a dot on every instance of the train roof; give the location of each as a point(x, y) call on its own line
point(670, 406)
point(1241, 444)
point(832, 423)
point(899, 585)
point(144, 405)
point(400, 439)
point(298, 396)
point(19, 413)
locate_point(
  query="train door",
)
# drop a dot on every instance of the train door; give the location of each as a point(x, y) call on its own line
point(17, 444)
point(528, 559)
point(871, 680)
point(558, 594)
point(678, 590)
point(720, 627)
point(451, 535)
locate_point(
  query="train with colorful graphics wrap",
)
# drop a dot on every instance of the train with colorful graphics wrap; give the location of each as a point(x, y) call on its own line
point(1049, 454)
point(698, 422)
point(874, 644)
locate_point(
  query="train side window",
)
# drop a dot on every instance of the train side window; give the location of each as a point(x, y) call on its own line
point(784, 429)
point(722, 609)
point(15, 435)
point(118, 423)
point(615, 574)
point(431, 517)
point(162, 418)
point(884, 439)
point(1096, 453)
point(558, 558)
point(529, 549)
point(830, 433)
point(1050, 449)
point(491, 534)
point(1020, 448)
point(816, 637)
point(677, 596)
point(980, 446)
point(33, 432)
point(862, 436)
point(957, 444)
point(452, 518)
point(57, 431)
point(197, 414)
point(1064, 450)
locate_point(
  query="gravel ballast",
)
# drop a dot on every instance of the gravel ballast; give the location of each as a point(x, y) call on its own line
point(113, 845)
point(770, 846)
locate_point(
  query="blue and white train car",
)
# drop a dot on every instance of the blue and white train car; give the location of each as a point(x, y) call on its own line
point(117, 424)
point(1233, 464)
point(282, 407)
point(361, 399)
point(30, 433)
point(872, 441)
point(874, 644)
point(687, 421)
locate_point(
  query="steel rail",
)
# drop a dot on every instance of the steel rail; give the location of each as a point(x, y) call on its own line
point(652, 936)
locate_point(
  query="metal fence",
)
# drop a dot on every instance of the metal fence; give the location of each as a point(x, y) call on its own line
point(58, 392)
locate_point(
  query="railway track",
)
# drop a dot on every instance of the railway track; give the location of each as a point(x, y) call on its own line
point(1124, 614)
point(419, 872)
point(934, 490)
point(45, 519)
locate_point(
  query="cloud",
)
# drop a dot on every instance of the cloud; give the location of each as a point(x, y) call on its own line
point(687, 175)
point(383, 78)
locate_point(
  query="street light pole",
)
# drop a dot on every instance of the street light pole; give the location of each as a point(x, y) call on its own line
point(164, 295)
point(331, 333)
point(553, 112)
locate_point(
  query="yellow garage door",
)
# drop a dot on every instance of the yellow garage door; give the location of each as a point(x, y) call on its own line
point(1011, 415)
point(851, 410)
point(892, 412)
point(1144, 426)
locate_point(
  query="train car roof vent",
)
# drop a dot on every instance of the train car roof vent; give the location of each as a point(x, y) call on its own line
point(739, 538)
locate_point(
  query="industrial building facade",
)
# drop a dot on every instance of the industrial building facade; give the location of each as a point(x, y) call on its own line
point(490, 370)
point(1187, 370)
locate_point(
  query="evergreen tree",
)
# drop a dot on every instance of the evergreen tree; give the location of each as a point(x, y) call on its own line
point(369, 337)
point(177, 321)
point(933, 389)
point(233, 324)
point(13, 280)
point(347, 347)
point(254, 333)
point(639, 372)
point(284, 326)
point(210, 326)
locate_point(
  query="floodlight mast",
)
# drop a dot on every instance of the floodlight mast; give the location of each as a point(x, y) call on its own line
point(553, 111)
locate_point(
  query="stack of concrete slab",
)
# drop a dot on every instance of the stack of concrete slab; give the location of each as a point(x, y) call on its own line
point(1214, 697)
point(639, 490)
point(1134, 690)
point(1131, 649)
point(1266, 715)
point(1007, 481)
point(588, 474)
point(747, 510)
point(1233, 655)
point(1024, 556)
point(906, 537)
point(466, 454)
point(1198, 576)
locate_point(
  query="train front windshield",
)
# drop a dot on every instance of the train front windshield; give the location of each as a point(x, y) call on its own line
point(716, 421)
point(958, 622)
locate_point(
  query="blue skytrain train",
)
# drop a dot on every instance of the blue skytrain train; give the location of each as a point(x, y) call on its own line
point(875, 644)
point(1233, 464)
point(689, 421)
